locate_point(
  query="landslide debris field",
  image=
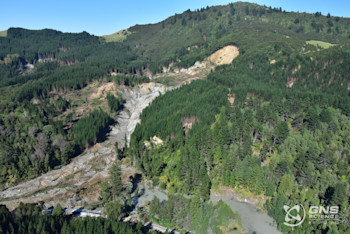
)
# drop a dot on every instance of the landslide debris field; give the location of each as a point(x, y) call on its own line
point(78, 182)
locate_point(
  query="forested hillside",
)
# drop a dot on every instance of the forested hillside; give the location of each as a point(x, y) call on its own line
point(27, 218)
point(274, 123)
point(288, 144)
point(193, 35)
point(37, 69)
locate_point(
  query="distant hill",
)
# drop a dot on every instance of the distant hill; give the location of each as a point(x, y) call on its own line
point(193, 35)
point(3, 33)
point(118, 36)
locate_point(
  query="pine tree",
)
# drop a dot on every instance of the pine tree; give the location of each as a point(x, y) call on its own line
point(281, 132)
point(218, 156)
point(113, 210)
point(286, 185)
point(205, 184)
point(155, 206)
point(57, 211)
point(232, 9)
point(115, 180)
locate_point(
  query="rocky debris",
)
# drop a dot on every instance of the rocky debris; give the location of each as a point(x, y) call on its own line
point(187, 123)
point(92, 166)
point(103, 90)
point(154, 141)
point(291, 81)
point(231, 98)
point(137, 99)
point(195, 69)
point(28, 68)
point(199, 70)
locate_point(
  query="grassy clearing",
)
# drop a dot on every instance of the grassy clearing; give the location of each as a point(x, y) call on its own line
point(118, 36)
point(3, 33)
point(167, 80)
point(321, 44)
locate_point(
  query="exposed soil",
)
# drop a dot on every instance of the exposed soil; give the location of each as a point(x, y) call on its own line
point(187, 122)
point(225, 55)
point(179, 76)
point(103, 90)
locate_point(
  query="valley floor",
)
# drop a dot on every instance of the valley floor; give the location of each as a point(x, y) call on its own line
point(77, 182)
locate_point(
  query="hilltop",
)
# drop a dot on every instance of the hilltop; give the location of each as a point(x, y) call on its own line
point(3, 33)
point(191, 36)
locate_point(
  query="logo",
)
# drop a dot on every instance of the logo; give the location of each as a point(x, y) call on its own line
point(325, 210)
point(323, 214)
point(293, 214)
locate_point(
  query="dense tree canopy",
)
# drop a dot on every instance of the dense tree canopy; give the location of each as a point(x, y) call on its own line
point(274, 139)
point(35, 222)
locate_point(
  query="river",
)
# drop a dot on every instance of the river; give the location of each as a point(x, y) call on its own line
point(253, 220)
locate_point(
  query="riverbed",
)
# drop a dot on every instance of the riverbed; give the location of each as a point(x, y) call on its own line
point(253, 220)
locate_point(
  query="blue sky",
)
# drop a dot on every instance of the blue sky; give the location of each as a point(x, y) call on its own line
point(109, 16)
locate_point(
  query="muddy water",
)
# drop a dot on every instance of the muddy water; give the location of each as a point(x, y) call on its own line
point(149, 193)
point(252, 219)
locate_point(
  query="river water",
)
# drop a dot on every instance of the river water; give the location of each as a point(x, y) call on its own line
point(253, 220)
point(149, 194)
